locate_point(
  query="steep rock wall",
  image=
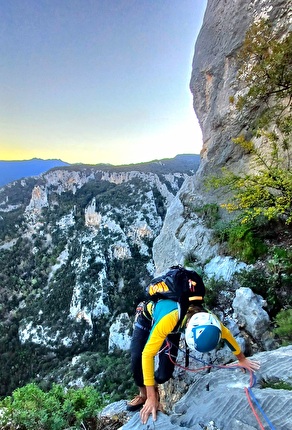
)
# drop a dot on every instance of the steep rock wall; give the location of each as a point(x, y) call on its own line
point(213, 82)
point(213, 78)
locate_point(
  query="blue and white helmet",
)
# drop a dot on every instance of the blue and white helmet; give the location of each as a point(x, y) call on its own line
point(203, 332)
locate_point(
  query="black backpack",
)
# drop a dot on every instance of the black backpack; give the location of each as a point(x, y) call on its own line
point(178, 284)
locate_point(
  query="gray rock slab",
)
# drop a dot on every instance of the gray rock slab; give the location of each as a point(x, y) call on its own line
point(218, 400)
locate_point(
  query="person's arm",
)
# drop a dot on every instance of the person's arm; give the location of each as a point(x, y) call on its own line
point(235, 348)
point(157, 336)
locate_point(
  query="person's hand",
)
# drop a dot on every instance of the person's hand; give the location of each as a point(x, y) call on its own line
point(246, 363)
point(150, 407)
point(251, 365)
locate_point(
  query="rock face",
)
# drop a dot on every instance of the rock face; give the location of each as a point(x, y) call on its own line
point(213, 79)
point(213, 82)
point(218, 400)
point(248, 310)
point(119, 335)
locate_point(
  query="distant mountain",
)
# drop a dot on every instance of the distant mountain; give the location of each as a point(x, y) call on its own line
point(183, 163)
point(12, 170)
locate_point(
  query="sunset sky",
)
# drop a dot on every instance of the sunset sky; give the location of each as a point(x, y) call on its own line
point(98, 81)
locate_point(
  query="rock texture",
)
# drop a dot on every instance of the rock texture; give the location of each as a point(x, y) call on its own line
point(213, 79)
point(249, 313)
point(218, 400)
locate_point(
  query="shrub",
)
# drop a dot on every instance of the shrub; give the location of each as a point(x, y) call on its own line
point(243, 244)
point(283, 322)
point(209, 213)
point(213, 288)
point(265, 284)
point(277, 385)
point(30, 408)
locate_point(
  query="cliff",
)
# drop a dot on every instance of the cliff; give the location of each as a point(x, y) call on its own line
point(213, 83)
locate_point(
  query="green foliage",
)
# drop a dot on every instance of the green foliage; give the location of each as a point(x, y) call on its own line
point(213, 289)
point(108, 373)
point(30, 408)
point(116, 379)
point(209, 213)
point(280, 262)
point(132, 271)
point(265, 60)
point(276, 290)
point(241, 240)
point(265, 193)
point(243, 244)
point(277, 385)
point(191, 261)
point(283, 328)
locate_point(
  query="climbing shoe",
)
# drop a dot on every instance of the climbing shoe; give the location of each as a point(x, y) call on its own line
point(136, 403)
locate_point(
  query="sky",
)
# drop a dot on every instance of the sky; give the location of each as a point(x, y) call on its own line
point(98, 81)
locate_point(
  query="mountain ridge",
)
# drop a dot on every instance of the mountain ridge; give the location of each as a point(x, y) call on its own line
point(17, 169)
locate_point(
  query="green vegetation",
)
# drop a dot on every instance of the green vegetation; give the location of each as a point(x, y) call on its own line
point(30, 408)
point(275, 288)
point(214, 288)
point(243, 243)
point(265, 67)
point(209, 213)
point(283, 328)
point(277, 385)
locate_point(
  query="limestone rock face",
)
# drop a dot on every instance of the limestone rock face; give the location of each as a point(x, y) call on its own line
point(217, 400)
point(92, 218)
point(120, 333)
point(38, 200)
point(248, 308)
point(213, 82)
point(213, 78)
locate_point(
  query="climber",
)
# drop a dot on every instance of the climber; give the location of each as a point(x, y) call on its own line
point(155, 324)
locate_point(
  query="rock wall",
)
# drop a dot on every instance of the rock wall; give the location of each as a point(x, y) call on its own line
point(213, 82)
point(213, 79)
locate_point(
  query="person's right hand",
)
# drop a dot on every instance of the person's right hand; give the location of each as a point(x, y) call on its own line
point(150, 407)
point(248, 364)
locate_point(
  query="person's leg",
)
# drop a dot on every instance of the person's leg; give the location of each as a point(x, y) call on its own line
point(167, 358)
point(138, 342)
point(139, 339)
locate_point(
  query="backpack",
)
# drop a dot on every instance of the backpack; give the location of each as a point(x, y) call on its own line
point(178, 284)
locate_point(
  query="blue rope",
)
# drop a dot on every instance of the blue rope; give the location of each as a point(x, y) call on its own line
point(261, 409)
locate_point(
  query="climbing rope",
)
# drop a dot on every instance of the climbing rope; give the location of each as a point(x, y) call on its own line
point(248, 390)
point(251, 394)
